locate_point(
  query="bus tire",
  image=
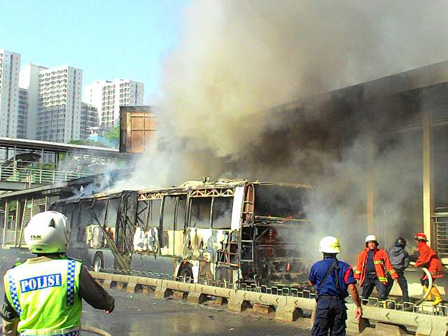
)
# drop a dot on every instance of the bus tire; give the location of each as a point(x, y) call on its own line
point(186, 273)
point(98, 262)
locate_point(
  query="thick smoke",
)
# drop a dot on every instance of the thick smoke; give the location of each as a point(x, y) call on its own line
point(238, 61)
point(240, 58)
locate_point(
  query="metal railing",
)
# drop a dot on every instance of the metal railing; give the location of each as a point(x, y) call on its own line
point(441, 226)
point(301, 291)
point(33, 175)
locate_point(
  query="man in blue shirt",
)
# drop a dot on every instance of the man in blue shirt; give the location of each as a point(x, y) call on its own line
point(333, 280)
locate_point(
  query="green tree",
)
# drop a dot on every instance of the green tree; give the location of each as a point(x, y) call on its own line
point(86, 142)
point(114, 134)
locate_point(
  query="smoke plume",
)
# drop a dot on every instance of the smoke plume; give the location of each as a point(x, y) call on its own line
point(237, 63)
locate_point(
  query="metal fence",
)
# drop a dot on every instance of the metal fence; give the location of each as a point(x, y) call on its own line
point(300, 291)
point(441, 225)
point(37, 175)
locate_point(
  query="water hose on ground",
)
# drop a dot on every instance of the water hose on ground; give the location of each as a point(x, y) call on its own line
point(95, 330)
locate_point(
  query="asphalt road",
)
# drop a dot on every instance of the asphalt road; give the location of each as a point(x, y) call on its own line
point(140, 314)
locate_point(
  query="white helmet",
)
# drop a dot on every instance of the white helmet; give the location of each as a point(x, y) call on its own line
point(370, 238)
point(47, 232)
point(329, 244)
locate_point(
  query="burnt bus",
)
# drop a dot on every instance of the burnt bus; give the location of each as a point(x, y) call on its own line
point(229, 230)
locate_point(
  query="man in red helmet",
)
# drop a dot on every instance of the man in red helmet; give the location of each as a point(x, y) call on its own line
point(428, 258)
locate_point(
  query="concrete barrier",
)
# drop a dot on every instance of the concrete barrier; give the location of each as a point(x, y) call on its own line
point(287, 308)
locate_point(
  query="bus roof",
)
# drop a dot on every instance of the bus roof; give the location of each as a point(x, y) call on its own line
point(188, 185)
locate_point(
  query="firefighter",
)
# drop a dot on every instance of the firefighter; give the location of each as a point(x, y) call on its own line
point(43, 295)
point(372, 268)
point(429, 259)
point(399, 259)
point(333, 280)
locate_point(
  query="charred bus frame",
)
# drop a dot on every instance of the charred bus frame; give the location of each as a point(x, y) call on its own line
point(233, 230)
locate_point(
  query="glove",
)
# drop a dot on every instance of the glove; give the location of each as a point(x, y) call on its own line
point(111, 309)
point(358, 314)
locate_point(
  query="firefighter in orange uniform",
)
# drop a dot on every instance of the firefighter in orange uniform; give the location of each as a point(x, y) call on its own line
point(429, 259)
point(372, 268)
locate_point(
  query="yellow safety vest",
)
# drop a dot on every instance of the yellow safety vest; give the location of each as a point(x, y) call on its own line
point(45, 295)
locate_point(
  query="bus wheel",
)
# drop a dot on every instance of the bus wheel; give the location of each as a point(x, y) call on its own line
point(98, 262)
point(186, 273)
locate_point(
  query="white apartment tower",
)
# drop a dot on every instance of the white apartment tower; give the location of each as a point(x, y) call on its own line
point(22, 113)
point(89, 119)
point(59, 106)
point(29, 80)
point(9, 93)
point(108, 96)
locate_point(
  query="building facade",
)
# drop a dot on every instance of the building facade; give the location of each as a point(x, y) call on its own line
point(22, 115)
point(59, 105)
point(108, 96)
point(9, 93)
point(29, 80)
point(89, 119)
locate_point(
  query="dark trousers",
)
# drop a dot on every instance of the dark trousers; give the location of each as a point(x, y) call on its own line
point(402, 282)
point(367, 287)
point(331, 315)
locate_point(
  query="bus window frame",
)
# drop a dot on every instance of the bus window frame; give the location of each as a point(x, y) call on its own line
point(229, 228)
point(150, 208)
point(162, 226)
point(176, 217)
point(190, 212)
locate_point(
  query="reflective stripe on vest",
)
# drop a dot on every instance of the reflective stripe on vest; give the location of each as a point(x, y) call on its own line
point(13, 293)
point(378, 262)
point(55, 333)
point(71, 282)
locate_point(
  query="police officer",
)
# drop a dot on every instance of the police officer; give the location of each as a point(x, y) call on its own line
point(332, 279)
point(43, 296)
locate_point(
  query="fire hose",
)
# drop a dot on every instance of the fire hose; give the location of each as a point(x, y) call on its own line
point(95, 330)
point(425, 295)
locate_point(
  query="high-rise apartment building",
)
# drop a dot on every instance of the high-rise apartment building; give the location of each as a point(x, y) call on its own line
point(59, 106)
point(29, 80)
point(108, 96)
point(22, 115)
point(9, 93)
point(89, 119)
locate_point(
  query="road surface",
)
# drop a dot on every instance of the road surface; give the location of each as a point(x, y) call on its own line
point(139, 314)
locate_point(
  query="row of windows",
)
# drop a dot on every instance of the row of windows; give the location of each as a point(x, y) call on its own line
point(53, 73)
point(205, 213)
point(109, 97)
point(60, 83)
point(56, 93)
point(53, 79)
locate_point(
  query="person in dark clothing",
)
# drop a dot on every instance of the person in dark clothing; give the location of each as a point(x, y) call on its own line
point(333, 280)
point(43, 295)
point(399, 259)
